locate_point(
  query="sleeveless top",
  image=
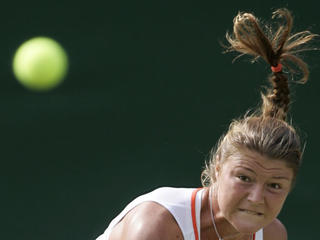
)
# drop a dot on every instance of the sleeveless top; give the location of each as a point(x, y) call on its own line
point(183, 203)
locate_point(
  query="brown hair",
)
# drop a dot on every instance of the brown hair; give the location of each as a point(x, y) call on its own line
point(266, 131)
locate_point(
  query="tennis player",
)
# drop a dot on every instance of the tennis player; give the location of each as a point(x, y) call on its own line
point(253, 167)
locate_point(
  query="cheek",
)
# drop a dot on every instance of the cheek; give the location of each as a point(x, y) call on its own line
point(230, 195)
point(275, 203)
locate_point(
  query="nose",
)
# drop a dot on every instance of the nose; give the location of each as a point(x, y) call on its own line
point(256, 194)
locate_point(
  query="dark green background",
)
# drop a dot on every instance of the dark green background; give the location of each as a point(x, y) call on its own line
point(148, 93)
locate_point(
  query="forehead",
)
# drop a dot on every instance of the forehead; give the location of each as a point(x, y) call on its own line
point(259, 164)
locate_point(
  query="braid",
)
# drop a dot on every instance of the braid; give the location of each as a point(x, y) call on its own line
point(248, 38)
point(276, 103)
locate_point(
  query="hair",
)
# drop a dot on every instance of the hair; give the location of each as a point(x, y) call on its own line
point(266, 131)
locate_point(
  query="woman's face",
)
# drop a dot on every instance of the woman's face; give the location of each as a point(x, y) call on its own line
point(251, 189)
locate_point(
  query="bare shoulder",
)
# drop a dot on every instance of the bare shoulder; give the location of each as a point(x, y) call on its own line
point(275, 231)
point(147, 221)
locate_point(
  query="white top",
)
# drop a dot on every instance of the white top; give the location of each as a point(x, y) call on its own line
point(178, 202)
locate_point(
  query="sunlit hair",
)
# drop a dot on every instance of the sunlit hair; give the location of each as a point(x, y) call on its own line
point(266, 131)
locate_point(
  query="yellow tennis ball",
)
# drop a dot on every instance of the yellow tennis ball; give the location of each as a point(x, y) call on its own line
point(40, 64)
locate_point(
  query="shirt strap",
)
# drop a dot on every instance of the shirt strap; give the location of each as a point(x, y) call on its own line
point(193, 213)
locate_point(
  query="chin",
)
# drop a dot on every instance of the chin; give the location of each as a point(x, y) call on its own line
point(247, 229)
point(247, 226)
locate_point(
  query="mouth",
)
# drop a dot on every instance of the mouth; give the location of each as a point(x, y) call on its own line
point(255, 213)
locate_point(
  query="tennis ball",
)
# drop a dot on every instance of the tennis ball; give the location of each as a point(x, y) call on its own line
point(40, 64)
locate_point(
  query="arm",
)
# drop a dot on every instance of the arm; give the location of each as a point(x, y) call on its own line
point(275, 231)
point(148, 221)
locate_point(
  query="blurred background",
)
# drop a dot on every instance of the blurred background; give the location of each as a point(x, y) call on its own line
point(147, 95)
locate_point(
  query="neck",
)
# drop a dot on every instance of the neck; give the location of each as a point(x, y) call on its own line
point(223, 227)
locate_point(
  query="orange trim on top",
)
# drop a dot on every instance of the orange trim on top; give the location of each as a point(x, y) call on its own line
point(193, 213)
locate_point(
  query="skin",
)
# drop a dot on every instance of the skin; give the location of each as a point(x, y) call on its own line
point(245, 181)
point(250, 181)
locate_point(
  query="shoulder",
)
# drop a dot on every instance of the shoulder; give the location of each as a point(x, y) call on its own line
point(275, 231)
point(148, 220)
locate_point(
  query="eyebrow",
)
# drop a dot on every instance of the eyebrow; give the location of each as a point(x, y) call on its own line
point(249, 169)
point(274, 177)
point(281, 177)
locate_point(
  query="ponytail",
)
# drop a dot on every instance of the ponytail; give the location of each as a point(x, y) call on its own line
point(266, 132)
point(277, 50)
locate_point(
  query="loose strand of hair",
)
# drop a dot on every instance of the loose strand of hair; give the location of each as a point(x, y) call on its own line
point(301, 65)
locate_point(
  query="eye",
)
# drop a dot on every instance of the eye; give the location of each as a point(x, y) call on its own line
point(275, 185)
point(244, 178)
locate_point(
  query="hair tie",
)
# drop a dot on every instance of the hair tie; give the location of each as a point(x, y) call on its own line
point(277, 68)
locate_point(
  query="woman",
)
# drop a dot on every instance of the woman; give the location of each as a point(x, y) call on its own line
point(250, 173)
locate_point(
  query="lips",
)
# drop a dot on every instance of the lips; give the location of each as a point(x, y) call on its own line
point(251, 212)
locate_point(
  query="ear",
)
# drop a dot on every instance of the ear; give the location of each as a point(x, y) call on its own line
point(217, 167)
